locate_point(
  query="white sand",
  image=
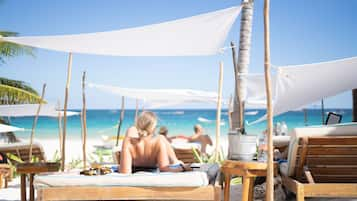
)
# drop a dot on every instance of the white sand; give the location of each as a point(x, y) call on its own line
point(73, 147)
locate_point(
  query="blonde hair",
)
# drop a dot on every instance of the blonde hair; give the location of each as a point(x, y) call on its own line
point(146, 123)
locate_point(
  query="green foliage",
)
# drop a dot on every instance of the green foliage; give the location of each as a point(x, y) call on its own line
point(236, 181)
point(205, 158)
point(13, 95)
point(56, 157)
point(18, 84)
point(9, 50)
point(75, 163)
point(13, 157)
point(101, 156)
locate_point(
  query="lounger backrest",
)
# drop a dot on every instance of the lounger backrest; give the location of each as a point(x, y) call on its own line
point(331, 159)
point(185, 155)
point(320, 131)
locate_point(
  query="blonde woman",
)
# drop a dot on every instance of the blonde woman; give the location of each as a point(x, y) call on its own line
point(143, 150)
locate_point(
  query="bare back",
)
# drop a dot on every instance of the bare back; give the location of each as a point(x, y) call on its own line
point(149, 151)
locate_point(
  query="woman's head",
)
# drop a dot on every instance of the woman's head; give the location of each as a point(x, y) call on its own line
point(146, 123)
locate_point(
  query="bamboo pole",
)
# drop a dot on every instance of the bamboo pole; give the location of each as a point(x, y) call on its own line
point(136, 109)
point(84, 121)
point(219, 105)
point(68, 82)
point(230, 111)
point(35, 120)
point(121, 118)
point(60, 126)
point(270, 165)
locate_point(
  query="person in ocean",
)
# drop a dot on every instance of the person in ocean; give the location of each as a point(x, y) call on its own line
point(143, 150)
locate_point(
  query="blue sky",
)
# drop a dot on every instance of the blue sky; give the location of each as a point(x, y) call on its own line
point(302, 31)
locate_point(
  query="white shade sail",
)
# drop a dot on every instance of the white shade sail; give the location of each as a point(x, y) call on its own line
point(300, 85)
point(6, 128)
point(198, 35)
point(24, 110)
point(161, 97)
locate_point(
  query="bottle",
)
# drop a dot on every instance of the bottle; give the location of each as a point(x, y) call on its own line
point(284, 128)
point(262, 148)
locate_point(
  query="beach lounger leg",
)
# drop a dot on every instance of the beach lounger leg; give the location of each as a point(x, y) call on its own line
point(247, 191)
point(32, 190)
point(300, 195)
point(23, 187)
point(1, 178)
point(227, 186)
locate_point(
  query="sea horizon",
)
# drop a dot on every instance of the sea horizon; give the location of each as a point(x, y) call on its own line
point(103, 122)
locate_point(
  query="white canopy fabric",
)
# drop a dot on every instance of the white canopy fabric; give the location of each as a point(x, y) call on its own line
point(24, 110)
point(300, 85)
point(6, 128)
point(198, 35)
point(161, 97)
point(256, 94)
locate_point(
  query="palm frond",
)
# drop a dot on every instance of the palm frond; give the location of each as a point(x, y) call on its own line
point(17, 84)
point(13, 95)
point(8, 49)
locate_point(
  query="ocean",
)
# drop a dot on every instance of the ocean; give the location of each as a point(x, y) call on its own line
point(178, 121)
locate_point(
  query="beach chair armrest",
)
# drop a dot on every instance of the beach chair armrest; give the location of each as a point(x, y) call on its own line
point(309, 177)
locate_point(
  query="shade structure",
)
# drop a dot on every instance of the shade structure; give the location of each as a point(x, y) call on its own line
point(198, 35)
point(300, 85)
point(6, 128)
point(24, 110)
point(161, 97)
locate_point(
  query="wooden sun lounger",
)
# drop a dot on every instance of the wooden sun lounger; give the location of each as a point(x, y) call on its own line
point(202, 193)
point(326, 166)
point(22, 150)
point(130, 193)
point(186, 155)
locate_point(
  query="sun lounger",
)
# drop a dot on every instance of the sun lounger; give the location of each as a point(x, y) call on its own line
point(22, 150)
point(322, 162)
point(138, 186)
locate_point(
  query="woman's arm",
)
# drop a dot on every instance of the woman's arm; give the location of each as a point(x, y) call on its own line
point(163, 159)
point(125, 157)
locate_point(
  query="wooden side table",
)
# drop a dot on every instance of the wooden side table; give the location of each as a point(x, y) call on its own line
point(5, 174)
point(246, 169)
point(32, 169)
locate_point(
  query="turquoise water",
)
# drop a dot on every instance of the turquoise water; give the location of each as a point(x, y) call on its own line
point(178, 121)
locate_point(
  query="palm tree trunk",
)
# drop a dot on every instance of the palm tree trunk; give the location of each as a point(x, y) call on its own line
point(354, 105)
point(243, 63)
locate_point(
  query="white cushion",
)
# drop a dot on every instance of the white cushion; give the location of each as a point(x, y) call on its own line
point(349, 129)
point(141, 179)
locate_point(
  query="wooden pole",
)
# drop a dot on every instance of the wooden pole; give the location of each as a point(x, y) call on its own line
point(35, 120)
point(230, 111)
point(69, 72)
point(219, 105)
point(236, 95)
point(136, 110)
point(84, 121)
point(121, 118)
point(354, 105)
point(60, 126)
point(322, 112)
point(270, 165)
point(305, 117)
